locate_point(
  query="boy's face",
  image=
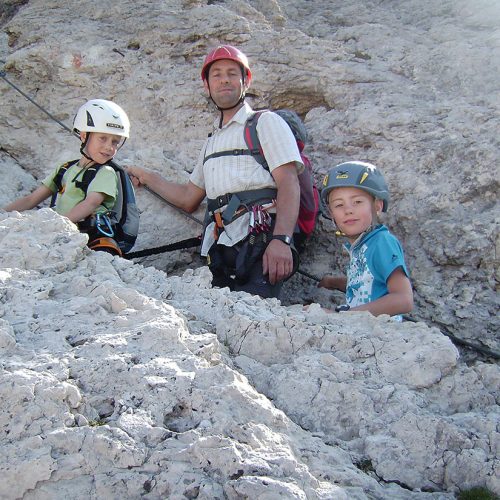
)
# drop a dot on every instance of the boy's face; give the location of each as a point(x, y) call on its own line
point(225, 82)
point(102, 147)
point(353, 210)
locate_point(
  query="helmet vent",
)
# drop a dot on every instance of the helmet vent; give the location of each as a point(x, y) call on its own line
point(90, 122)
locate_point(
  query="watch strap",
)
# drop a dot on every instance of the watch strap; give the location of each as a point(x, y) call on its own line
point(282, 237)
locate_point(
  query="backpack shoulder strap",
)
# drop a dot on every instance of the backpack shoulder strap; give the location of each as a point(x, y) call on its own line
point(252, 139)
point(58, 180)
point(87, 178)
point(229, 152)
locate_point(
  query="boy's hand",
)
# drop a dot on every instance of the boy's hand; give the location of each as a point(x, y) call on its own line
point(327, 282)
point(342, 308)
point(333, 283)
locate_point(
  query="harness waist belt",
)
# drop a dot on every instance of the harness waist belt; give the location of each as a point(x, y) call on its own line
point(235, 200)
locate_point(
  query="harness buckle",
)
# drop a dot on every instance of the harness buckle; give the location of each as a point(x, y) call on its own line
point(222, 200)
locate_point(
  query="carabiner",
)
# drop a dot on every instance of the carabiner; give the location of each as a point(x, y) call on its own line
point(103, 225)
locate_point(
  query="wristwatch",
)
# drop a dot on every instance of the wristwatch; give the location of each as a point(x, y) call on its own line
point(342, 308)
point(282, 237)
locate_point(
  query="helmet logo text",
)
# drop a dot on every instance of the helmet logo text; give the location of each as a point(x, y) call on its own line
point(115, 125)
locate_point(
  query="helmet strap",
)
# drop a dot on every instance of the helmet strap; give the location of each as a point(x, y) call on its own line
point(84, 145)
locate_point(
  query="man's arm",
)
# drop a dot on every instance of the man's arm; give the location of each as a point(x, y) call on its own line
point(185, 196)
point(277, 261)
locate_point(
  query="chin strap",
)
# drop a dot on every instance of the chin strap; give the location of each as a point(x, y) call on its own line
point(240, 100)
point(84, 144)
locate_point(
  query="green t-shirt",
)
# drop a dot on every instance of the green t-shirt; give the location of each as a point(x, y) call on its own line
point(104, 182)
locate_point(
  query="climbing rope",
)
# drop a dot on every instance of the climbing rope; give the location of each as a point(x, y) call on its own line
point(3, 75)
point(179, 245)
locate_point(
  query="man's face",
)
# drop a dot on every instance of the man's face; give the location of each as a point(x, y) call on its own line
point(225, 83)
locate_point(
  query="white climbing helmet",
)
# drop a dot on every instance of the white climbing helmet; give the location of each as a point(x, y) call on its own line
point(99, 115)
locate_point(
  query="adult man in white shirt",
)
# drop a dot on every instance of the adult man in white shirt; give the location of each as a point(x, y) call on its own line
point(234, 182)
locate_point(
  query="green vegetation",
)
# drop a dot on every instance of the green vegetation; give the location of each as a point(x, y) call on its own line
point(477, 493)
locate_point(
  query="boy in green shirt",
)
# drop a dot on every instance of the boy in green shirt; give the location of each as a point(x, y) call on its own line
point(103, 127)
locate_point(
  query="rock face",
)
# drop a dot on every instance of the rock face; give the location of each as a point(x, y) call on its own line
point(118, 381)
point(402, 85)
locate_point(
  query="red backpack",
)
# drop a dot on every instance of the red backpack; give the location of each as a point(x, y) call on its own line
point(309, 194)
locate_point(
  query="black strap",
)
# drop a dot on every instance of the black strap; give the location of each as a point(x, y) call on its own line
point(246, 198)
point(233, 201)
point(252, 139)
point(230, 152)
point(179, 245)
point(87, 177)
point(58, 180)
point(83, 184)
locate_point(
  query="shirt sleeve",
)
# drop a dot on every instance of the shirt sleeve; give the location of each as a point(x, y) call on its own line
point(278, 142)
point(49, 180)
point(197, 176)
point(388, 256)
point(105, 182)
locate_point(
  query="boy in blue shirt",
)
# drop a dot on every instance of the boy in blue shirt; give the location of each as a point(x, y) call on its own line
point(377, 278)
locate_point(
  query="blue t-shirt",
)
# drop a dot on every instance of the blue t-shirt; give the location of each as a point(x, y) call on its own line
point(373, 260)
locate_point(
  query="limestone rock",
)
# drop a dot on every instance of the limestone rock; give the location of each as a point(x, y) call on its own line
point(118, 381)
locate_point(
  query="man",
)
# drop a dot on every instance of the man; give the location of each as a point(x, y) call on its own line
point(244, 199)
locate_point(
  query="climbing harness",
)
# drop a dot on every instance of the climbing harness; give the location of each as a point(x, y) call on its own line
point(105, 244)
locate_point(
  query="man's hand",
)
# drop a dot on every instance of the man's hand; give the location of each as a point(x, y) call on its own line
point(185, 196)
point(277, 261)
point(138, 175)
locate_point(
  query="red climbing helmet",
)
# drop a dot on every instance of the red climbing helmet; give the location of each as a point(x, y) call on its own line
point(226, 52)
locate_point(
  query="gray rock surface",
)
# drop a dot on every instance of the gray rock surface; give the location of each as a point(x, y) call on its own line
point(117, 381)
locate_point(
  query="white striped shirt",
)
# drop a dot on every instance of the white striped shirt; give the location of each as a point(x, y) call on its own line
point(231, 174)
